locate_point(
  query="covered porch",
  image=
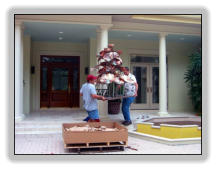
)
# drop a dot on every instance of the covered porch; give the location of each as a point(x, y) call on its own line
point(84, 36)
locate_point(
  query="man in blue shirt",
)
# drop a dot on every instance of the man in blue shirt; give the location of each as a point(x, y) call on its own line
point(90, 97)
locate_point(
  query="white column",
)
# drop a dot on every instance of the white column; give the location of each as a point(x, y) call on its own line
point(102, 37)
point(18, 71)
point(162, 76)
point(102, 42)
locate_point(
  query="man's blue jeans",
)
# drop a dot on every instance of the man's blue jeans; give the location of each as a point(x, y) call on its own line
point(94, 114)
point(126, 107)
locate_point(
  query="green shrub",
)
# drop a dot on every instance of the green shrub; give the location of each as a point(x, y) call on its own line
point(193, 79)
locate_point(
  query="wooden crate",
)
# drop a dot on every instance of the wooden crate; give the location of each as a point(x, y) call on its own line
point(91, 139)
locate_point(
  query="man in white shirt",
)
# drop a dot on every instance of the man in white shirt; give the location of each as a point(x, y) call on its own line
point(130, 90)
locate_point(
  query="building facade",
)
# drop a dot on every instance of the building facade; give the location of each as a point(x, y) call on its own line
point(54, 54)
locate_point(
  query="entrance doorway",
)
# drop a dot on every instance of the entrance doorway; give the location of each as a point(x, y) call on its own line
point(147, 76)
point(59, 81)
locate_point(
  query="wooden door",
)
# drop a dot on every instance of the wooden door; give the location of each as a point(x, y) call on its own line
point(74, 89)
point(59, 81)
point(59, 93)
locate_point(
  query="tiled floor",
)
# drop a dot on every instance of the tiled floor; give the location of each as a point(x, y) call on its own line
point(40, 133)
point(53, 144)
point(61, 114)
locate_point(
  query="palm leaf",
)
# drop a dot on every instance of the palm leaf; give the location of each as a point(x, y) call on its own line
point(193, 79)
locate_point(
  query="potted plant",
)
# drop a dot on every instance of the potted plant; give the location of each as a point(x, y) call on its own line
point(114, 106)
point(193, 79)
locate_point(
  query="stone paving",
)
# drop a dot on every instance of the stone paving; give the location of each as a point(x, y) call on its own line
point(40, 133)
point(53, 144)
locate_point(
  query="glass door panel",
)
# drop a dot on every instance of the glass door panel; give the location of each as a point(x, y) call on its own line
point(60, 79)
point(75, 87)
point(59, 96)
point(141, 74)
point(44, 78)
point(44, 86)
point(75, 79)
point(154, 86)
point(147, 76)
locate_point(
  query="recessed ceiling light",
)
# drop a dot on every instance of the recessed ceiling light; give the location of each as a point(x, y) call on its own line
point(60, 38)
point(61, 32)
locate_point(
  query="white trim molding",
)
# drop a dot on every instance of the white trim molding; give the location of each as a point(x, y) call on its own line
point(76, 19)
point(154, 28)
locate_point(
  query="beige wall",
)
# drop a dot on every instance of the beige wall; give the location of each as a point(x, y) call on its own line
point(26, 74)
point(54, 48)
point(178, 100)
point(92, 53)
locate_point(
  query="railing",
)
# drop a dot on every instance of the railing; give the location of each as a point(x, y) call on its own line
point(110, 91)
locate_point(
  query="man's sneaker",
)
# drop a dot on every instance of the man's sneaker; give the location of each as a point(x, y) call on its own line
point(86, 119)
point(127, 123)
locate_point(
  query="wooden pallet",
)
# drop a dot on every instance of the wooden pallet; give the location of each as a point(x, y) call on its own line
point(78, 146)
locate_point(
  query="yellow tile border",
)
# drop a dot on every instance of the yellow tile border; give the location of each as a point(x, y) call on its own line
point(163, 140)
point(168, 131)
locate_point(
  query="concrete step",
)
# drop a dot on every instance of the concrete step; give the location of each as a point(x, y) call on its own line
point(45, 131)
point(32, 127)
point(37, 128)
point(47, 127)
point(41, 127)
